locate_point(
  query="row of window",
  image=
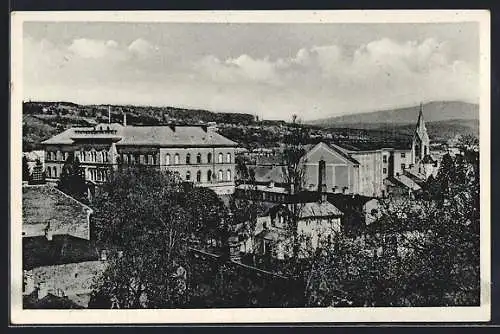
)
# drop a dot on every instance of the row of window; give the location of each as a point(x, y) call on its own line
point(51, 172)
point(210, 176)
point(199, 160)
point(57, 156)
point(143, 159)
point(97, 174)
point(93, 156)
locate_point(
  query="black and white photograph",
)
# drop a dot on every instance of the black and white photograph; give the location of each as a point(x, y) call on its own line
point(250, 167)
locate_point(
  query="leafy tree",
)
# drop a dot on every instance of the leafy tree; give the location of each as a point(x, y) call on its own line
point(207, 212)
point(434, 261)
point(26, 169)
point(467, 142)
point(140, 212)
point(72, 180)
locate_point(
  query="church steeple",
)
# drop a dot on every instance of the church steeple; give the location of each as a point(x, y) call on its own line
point(420, 120)
point(420, 145)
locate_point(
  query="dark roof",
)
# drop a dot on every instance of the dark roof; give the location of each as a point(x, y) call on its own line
point(370, 145)
point(50, 301)
point(162, 135)
point(428, 159)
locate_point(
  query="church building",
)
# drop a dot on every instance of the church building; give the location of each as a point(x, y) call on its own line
point(352, 170)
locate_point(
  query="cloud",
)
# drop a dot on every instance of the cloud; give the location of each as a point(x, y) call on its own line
point(242, 69)
point(96, 49)
point(142, 47)
point(315, 81)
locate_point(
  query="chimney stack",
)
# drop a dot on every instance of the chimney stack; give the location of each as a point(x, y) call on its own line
point(323, 193)
point(124, 119)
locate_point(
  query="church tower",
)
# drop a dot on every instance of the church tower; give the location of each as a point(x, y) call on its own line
point(420, 144)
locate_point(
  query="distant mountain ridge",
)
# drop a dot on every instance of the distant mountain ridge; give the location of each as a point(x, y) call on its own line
point(435, 111)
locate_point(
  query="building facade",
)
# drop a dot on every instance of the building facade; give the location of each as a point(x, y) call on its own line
point(361, 171)
point(195, 153)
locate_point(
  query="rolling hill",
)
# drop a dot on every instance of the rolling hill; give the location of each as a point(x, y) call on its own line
point(437, 111)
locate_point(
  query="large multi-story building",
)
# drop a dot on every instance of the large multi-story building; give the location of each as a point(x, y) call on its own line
point(196, 153)
point(349, 169)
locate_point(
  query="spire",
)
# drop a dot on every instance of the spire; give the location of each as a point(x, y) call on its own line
point(420, 121)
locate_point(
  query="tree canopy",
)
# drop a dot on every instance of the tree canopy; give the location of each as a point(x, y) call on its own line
point(140, 213)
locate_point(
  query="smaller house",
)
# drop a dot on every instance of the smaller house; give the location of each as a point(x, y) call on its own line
point(59, 257)
point(317, 223)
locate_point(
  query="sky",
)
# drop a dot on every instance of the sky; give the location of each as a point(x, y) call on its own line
point(270, 70)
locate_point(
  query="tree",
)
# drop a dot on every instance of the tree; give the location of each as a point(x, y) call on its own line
point(435, 261)
point(26, 169)
point(293, 158)
point(207, 212)
point(140, 212)
point(72, 180)
point(467, 142)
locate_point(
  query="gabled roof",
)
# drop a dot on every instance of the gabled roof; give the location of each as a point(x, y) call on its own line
point(334, 149)
point(407, 182)
point(163, 135)
point(168, 136)
point(316, 209)
point(47, 206)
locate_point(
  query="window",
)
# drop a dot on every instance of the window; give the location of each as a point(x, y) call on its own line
point(49, 174)
point(54, 170)
point(228, 158)
point(142, 159)
point(384, 170)
point(209, 175)
point(425, 149)
point(384, 159)
point(198, 176)
point(188, 176)
point(403, 155)
point(125, 158)
point(188, 159)
point(167, 159)
point(403, 166)
point(220, 176)
point(176, 159)
point(220, 158)
point(228, 175)
point(209, 158)
point(198, 158)
point(66, 155)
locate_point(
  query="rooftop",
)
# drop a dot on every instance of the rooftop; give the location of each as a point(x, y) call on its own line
point(45, 205)
point(371, 145)
point(160, 135)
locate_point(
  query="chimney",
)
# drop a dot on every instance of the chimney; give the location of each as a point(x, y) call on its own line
point(109, 114)
point(323, 193)
point(124, 119)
